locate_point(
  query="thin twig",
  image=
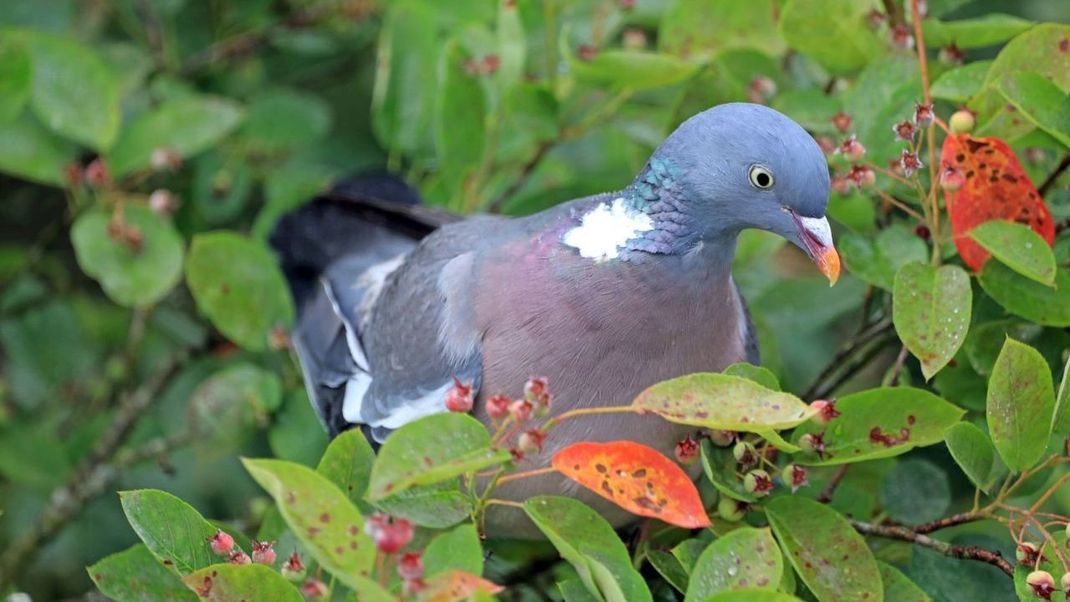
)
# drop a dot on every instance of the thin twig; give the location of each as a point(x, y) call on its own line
point(1054, 175)
point(950, 521)
point(834, 374)
point(826, 494)
point(964, 552)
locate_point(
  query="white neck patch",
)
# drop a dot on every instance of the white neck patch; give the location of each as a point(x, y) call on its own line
point(604, 230)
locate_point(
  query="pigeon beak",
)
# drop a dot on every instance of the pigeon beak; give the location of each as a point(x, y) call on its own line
point(816, 236)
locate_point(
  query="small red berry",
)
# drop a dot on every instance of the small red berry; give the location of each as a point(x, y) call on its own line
point(842, 185)
point(459, 397)
point(861, 176)
point(902, 38)
point(1026, 553)
point(923, 114)
point(922, 232)
point(239, 557)
point(264, 552)
point(1042, 584)
point(293, 569)
point(851, 148)
point(221, 542)
point(531, 441)
point(825, 410)
point(314, 589)
point(909, 163)
point(687, 450)
point(498, 406)
point(97, 174)
point(951, 179)
point(758, 483)
point(951, 55)
point(842, 121)
point(491, 62)
point(410, 566)
point(521, 410)
point(162, 202)
point(814, 442)
point(795, 476)
point(390, 534)
point(904, 130)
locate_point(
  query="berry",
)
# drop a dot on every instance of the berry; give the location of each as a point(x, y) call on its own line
point(314, 589)
point(731, 510)
point(521, 410)
point(410, 566)
point(221, 542)
point(239, 557)
point(904, 130)
point(1026, 553)
point(814, 442)
point(923, 114)
point(851, 148)
point(922, 232)
point(264, 552)
point(862, 176)
point(761, 89)
point(97, 174)
point(491, 62)
point(531, 441)
point(722, 438)
point(825, 410)
point(1065, 583)
point(745, 453)
point(293, 569)
point(498, 406)
point(459, 397)
point(841, 185)
point(909, 163)
point(162, 202)
point(687, 450)
point(951, 55)
point(795, 476)
point(961, 121)
point(1042, 584)
point(901, 37)
point(842, 121)
point(390, 534)
point(537, 391)
point(74, 174)
point(758, 483)
point(951, 179)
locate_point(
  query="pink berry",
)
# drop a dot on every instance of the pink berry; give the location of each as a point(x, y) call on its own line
point(293, 569)
point(97, 174)
point(264, 552)
point(909, 163)
point(221, 542)
point(842, 121)
point(459, 397)
point(239, 557)
point(498, 406)
point(314, 589)
point(825, 410)
point(851, 148)
point(531, 441)
point(1042, 584)
point(923, 114)
point(687, 450)
point(390, 534)
point(795, 476)
point(521, 410)
point(410, 566)
point(904, 130)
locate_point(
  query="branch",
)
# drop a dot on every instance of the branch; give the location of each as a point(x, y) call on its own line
point(826, 494)
point(950, 521)
point(525, 175)
point(838, 370)
point(964, 552)
point(101, 467)
point(1054, 175)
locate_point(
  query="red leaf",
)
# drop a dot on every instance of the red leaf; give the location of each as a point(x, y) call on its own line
point(994, 186)
point(455, 586)
point(636, 478)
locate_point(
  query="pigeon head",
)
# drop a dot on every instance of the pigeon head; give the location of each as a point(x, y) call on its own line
point(739, 166)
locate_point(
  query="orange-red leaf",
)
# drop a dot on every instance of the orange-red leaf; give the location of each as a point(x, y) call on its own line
point(456, 586)
point(636, 478)
point(993, 186)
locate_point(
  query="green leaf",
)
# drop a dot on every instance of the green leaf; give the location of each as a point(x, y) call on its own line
point(632, 69)
point(432, 449)
point(698, 29)
point(512, 46)
point(744, 558)
point(130, 277)
point(296, 433)
point(898, 588)
point(961, 83)
point(281, 119)
point(973, 452)
point(226, 407)
point(237, 283)
point(134, 575)
point(811, 107)
point(320, 515)
point(688, 551)
point(808, 25)
point(721, 401)
point(186, 126)
point(832, 559)
point(931, 311)
point(751, 595)
point(759, 374)
point(669, 568)
point(875, 101)
point(175, 533)
point(229, 582)
point(1021, 401)
point(573, 590)
point(408, 51)
point(347, 463)
point(16, 78)
point(1018, 247)
point(29, 151)
point(1060, 419)
point(880, 423)
point(460, 109)
point(988, 30)
point(720, 467)
point(916, 491)
point(458, 549)
point(1040, 101)
point(878, 260)
point(75, 93)
point(1046, 305)
point(587, 542)
point(955, 580)
point(437, 506)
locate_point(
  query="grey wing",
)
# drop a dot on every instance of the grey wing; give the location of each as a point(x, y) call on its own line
point(420, 333)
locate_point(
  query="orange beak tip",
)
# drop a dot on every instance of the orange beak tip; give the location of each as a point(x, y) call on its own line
point(829, 264)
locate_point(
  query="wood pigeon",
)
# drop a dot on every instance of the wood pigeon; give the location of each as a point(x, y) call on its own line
point(604, 295)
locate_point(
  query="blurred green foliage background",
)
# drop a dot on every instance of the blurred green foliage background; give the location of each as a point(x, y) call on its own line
point(146, 123)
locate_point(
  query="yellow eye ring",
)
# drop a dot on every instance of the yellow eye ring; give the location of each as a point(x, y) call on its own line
point(761, 177)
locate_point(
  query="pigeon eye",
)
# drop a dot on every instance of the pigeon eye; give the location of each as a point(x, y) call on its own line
point(761, 177)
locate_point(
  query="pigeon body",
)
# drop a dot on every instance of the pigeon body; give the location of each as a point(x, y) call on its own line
point(604, 295)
